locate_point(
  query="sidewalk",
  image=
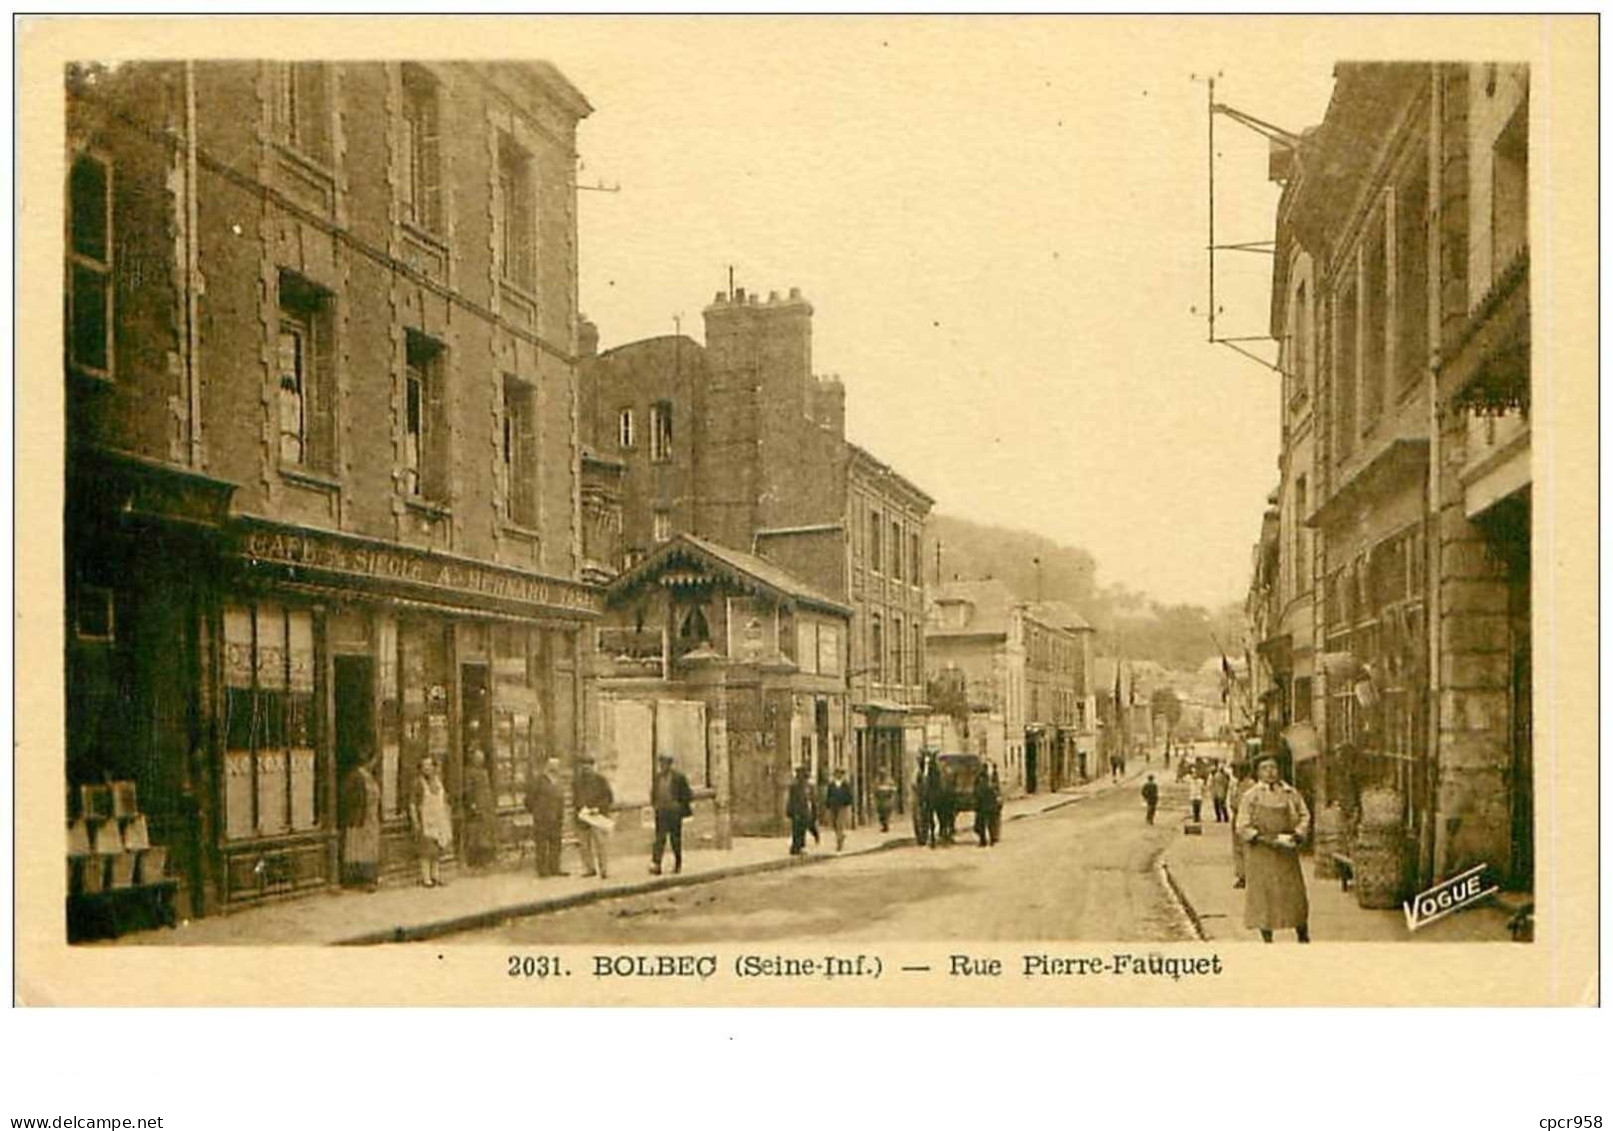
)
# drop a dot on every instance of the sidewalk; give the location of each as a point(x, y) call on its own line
point(469, 902)
point(1200, 869)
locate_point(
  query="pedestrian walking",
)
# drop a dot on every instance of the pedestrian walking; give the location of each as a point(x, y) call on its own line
point(1195, 794)
point(1273, 822)
point(1114, 768)
point(838, 801)
point(1151, 796)
point(1220, 783)
point(673, 801)
point(997, 805)
point(884, 798)
point(802, 809)
point(988, 801)
point(431, 821)
point(480, 830)
point(1239, 788)
point(547, 804)
point(361, 827)
point(594, 800)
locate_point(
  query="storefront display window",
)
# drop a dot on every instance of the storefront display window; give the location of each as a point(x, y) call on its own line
point(517, 712)
point(270, 764)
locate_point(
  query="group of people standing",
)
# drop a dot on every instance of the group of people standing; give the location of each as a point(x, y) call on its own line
point(431, 820)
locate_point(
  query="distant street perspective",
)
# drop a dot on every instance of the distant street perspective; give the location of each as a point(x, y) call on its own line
point(464, 545)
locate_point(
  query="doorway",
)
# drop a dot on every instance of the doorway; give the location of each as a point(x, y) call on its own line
point(1031, 741)
point(355, 717)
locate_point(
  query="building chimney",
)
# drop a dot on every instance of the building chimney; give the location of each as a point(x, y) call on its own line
point(587, 339)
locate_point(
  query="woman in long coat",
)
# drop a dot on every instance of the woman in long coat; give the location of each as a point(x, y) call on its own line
point(1272, 823)
point(361, 827)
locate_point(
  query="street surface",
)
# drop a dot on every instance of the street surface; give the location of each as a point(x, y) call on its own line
point(1085, 871)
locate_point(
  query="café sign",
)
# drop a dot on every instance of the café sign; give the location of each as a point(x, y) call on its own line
point(401, 565)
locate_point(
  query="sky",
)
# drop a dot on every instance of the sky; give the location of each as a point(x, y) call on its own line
point(1001, 227)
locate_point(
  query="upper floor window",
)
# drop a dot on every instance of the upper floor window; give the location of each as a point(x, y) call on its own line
point(916, 658)
point(302, 108)
point(1300, 344)
point(516, 227)
point(662, 526)
point(896, 550)
point(89, 265)
point(624, 429)
point(304, 362)
point(876, 648)
point(1411, 274)
point(425, 425)
point(519, 444)
point(898, 644)
point(915, 554)
point(1509, 192)
point(421, 157)
point(1344, 373)
point(1302, 537)
point(1375, 319)
point(661, 431)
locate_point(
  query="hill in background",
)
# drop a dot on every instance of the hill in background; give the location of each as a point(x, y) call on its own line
point(1177, 636)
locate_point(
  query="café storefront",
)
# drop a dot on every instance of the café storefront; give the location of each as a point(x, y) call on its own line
point(336, 648)
point(234, 670)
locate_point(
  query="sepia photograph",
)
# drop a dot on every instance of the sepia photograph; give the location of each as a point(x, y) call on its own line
point(890, 509)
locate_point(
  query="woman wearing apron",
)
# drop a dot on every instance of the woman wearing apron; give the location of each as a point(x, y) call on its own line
point(1272, 822)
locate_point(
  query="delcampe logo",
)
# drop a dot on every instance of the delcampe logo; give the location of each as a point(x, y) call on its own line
point(1461, 890)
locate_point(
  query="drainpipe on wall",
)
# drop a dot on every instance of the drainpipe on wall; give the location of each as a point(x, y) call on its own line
point(193, 387)
point(1431, 548)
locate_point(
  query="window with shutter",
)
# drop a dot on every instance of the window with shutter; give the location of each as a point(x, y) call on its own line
point(304, 373)
point(520, 452)
point(425, 441)
point(422, 161)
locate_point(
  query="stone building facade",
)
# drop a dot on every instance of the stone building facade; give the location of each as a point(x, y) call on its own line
point(738, 442)
point(1020, 673)
point(323, 464)
point(1393, 584)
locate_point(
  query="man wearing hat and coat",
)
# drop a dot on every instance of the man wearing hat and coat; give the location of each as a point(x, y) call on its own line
point(547, 804)
point(673, 801)
point(801, 808)
point(593, 797)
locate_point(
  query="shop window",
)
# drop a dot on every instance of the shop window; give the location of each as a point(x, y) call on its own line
point(661, 431)
point(1509, 192)
point(517, 711)
point(421, 158)
point(517, 244)
point(304, 374)
point(624, 429)
point(302, 108)
point(89, 266)
point(425, 441)
point(270, 760)
point(1411, 274)
point(518, 449)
